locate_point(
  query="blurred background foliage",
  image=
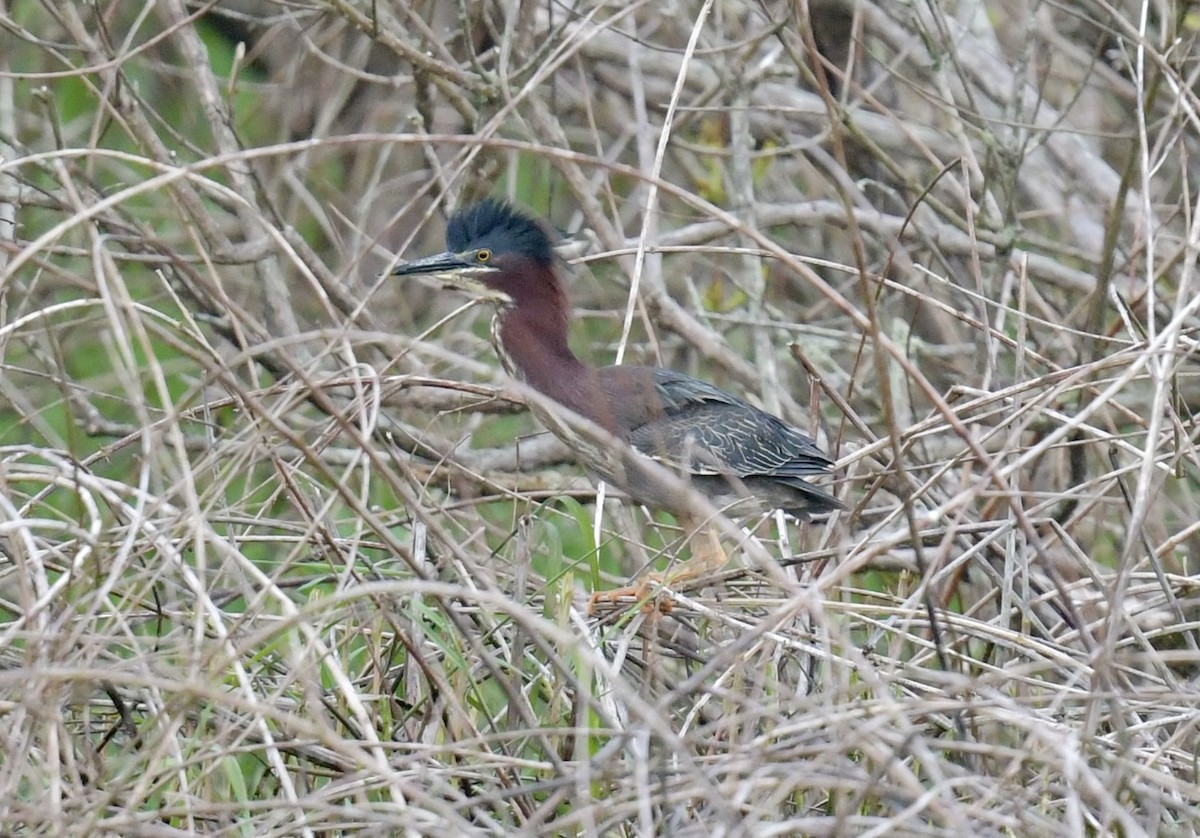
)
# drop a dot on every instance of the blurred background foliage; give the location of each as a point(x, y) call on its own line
point(281, 554)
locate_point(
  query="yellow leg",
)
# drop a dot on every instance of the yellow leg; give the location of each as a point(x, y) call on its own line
point(707, 557)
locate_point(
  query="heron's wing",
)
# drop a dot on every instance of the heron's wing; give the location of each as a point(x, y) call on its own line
point(705, 430)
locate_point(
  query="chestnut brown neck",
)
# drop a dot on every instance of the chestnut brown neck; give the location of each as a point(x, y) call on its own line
point(530, 336)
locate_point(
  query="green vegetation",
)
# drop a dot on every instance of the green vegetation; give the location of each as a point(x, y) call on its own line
point(280, 555)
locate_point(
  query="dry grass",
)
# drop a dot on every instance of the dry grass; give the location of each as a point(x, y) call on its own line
point(279, 555)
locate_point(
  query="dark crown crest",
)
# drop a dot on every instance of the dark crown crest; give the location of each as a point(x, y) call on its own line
point(499, 227)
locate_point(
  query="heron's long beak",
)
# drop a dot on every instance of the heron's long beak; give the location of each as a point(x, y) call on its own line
point(457, 271)
point(440, 265)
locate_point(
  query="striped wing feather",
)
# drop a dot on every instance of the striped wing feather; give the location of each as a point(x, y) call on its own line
point(708, 431)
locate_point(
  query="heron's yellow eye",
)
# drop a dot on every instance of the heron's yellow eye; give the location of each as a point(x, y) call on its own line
point(483, 255)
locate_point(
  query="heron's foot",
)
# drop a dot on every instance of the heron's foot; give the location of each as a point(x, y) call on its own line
point(642, 592)
point(707, 558)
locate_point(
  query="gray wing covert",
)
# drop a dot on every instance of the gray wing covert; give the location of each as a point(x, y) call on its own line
point(708, 431)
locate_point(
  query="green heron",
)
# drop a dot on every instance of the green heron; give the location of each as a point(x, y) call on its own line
point(744, 460)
